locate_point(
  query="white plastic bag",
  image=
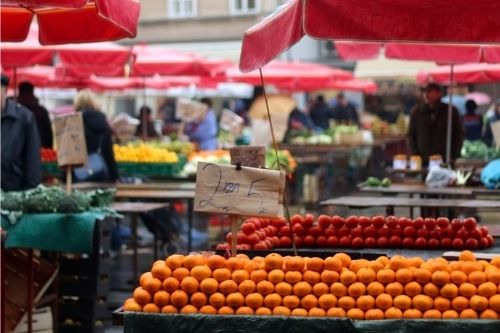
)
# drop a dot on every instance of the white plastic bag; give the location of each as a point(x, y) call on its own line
point(440, 177)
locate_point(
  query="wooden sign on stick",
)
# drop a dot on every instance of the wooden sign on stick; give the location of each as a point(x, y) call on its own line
point(189, 110)
point(245, 191)
point(495, 129)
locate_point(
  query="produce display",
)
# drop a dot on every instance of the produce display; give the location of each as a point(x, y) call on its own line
point(375, 182)
point(361, 232)
point(479, 150)
point(337, 134)
point(143, 153)
point(385, 288)
point(48, 155)
point(381, 128)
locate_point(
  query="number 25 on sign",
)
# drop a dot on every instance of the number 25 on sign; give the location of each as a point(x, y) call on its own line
point(244, 191)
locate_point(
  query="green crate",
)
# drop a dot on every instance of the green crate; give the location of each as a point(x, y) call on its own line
point(152, 169)
point(51, 169)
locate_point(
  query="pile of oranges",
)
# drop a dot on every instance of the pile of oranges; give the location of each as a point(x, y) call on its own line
point(385, 288)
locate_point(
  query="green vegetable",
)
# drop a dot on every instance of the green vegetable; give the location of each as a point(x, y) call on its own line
point(373, 181)
point(101, 197)
point(479, 150)
point(38, 203)
point(386, 182)
point(12, 201)
point(74, 203)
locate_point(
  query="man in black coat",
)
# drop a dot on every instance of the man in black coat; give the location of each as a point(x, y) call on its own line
point(21, 168)
point(27, 99)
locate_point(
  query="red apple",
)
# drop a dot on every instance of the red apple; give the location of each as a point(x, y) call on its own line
point(332, 241)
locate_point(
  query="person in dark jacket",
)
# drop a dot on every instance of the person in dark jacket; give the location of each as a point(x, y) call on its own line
point(97, 131)
point(488, 133)
point(473, 123)
point(146, 128)
point(344, 111)
point(21, 166)
point(320, 113)
point(298, 121)
point(427, 133)
point(27, 99)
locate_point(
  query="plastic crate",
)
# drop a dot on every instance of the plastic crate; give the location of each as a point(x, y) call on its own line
point(152, 169)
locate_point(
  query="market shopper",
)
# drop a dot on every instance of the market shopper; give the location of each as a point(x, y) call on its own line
point(203, 132)
point(344, 111)
point(427, 133)
point(21, 166)
point(488, 134)
point(146, 128)
point(473, 123)
point(298, 121)
point(320, 113)
point(28, 99)
point(97, 133)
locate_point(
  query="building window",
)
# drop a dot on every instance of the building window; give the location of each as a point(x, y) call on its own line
point(244, 7)
point(181, 8)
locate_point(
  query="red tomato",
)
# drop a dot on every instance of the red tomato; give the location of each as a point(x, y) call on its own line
point(344, 231)
point(424, 233)
point(430, 223)
point(248, 228)
point(337, 222)
point(324, 221)
point(433, 244)
point(357, 242)
point(420, 243)
point(446, 243)
point(456, 224)
point(299, 241)
point(285, 241)
point(356, 232)
point(369, 231)
point(418, 223)
point(471, 244)
point(383, 232)
point(395, 241)
point(352, 222)
point(409, 231)
point(370, 242)
point(476, 233)
point(382, 242)
point(321, 241)
point(443, 222)
point(260, 246)
point(332, 241)
point(315, 231)
point(391, 222)
point(298, 229)
point(407, 243)
point(297, 219)
point(285, 230)
point(330, 231)
point(309, 241)
point(308, 220)
point(345, 241)
point(364, 221)
point(458, 244)
point(378, 221)
point(470, 223)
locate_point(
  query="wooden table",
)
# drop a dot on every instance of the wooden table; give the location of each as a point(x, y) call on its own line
point(181, 185)
point(422, 189)
point(134, 209)
point(167, 195)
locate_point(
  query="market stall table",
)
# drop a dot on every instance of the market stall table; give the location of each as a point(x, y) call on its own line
point(422, 189)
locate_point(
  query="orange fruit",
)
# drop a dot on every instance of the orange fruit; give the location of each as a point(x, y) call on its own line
point(309, 301)
point(228, 286)
point(179, 298)
point(468, 314)
point(215, 261)
point(291, 301)
point(272, 300)
point(198, 299)
point(477, 277)
point(235, 263)
point(440, 278)
point(346, 302)
point(265, 287)
point(190, 285)
point(365, 302)
point(235, 300)
point(327, 301)
point(316, 312)
point(422, 276)
point(225, 310)
point(495, 261)
point(346, 260)
point(459, 303)
point(152, 285)
point(180, 273)
point(449, 291)
point(384, 260)
point(273, 261)
point(151, 308)
point(132, 305)
point(171, 284)
point(276, 276)
point(471, 266)
point(169, 309)
point(422, 302)
point(357, 264)
point(393, 313)
point(145, 276)
point(458, 277)
point(366, 275)
point(478, 303)
point(294, 264)
point(467, 256)
point(244, 310)
point(385, 276)
point(263, 311)
point(193, 260)
point(333, 264)
point(258, 275)
point(375, 288)
point(254, 300)
point(398, 262)
point(356, 289)
point(336, 312)
point(189, 309)
point(338, 289)
point(293, 277)
point(394, 289)
point(329, 277)
point(247, 287)
point(281, 311)
point(320, 288)
point(432, 314)
point(174, 261)
point(209, 286)
point(375, 265)
point(439, 264)
point(441, 303)
point(412, 289)
point(221, 274)
point(217, 300)
point(412, 314)
point(384, 301)
point(430, 289)
point(207, 309)
point(311, 277)
point(449, 314)
point(161, 298)
point(299, 312)
point(355, 314)
point(488, 314)
point(302, 289)
point(493, 275)
point(487, 289)
point(161, 271)
point(314, 264)
point(402, 302)
point(494, 302)
point(251, 266)
point(283, 289)
point(242, 256)
point(404, 275)
point(467, 289)
point(141, 296)
point(415, 261)
point(201, 272)
point(240, 275)
point(374, 314)
point(347, 277)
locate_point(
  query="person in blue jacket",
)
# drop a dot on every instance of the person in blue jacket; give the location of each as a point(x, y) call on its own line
point(204, 133)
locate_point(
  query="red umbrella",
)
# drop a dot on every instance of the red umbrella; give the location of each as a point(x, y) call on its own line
point(155, 82)
point(45, 77)
point(73, 21)
point(434, 21)
point(467, 73)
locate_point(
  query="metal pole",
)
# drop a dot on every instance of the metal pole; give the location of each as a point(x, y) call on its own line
point(450, 117)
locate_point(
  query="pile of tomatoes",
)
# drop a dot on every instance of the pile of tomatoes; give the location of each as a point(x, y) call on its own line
point(48, 155)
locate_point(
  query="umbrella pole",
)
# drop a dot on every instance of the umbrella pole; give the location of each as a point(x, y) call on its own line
point(15, 82)
point(144, 117)
point(450, 116)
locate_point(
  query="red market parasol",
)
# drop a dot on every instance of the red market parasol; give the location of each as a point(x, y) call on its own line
point(466, 74)
point(73, 21)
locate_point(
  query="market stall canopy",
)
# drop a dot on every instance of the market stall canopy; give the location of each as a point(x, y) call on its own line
point(424, 21)
point(466, 73)
point(44, 77)
point(73, 21)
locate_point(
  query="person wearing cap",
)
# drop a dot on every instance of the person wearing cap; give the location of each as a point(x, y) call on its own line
point(27, 99)
point(21, 166)
point(427, 133)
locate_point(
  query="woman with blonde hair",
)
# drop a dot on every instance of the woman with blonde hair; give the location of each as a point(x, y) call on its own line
point(98, 137)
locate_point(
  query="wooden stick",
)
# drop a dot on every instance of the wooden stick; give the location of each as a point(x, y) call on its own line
point(68, 179)
point(234, 232)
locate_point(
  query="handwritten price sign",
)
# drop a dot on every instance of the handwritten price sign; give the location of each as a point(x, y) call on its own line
point(70, 140)
point(248, 191)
